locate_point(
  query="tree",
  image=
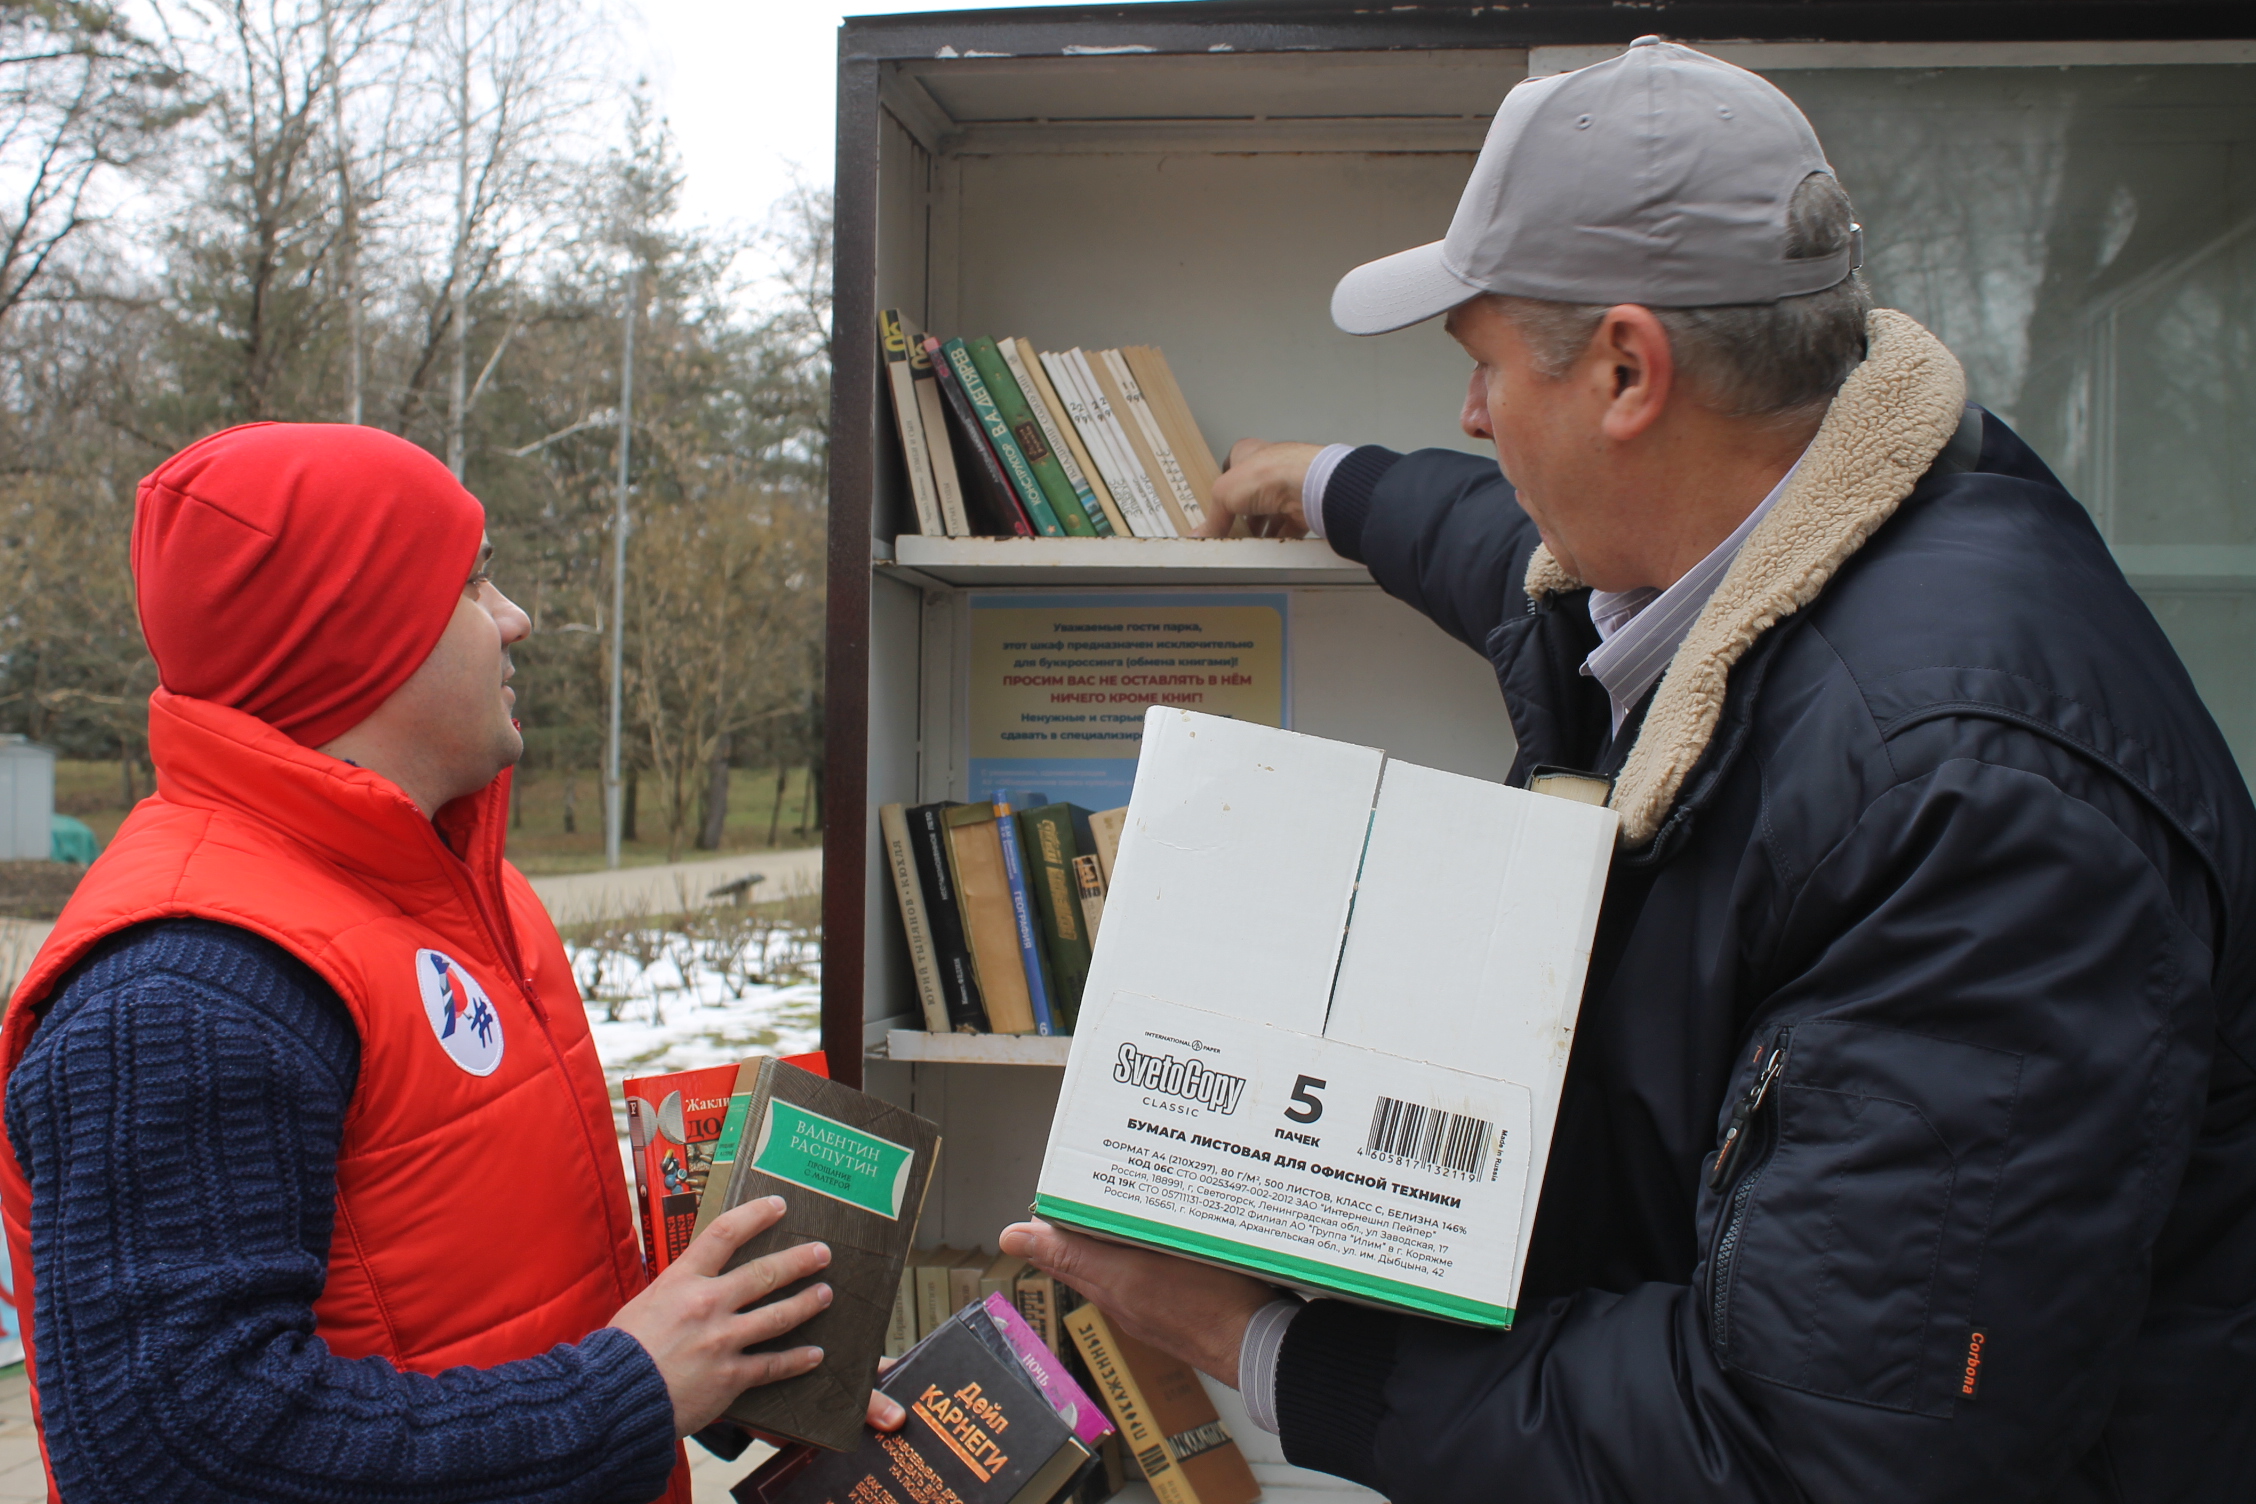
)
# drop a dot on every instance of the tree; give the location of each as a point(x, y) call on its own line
point(80, 94)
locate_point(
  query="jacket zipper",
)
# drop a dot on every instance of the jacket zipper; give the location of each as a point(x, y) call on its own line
point(1734, 1151)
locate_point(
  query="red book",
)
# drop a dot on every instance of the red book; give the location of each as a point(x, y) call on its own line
point(672, 1123)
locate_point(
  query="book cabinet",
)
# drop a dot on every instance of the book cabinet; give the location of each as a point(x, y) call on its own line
point(1198, 176)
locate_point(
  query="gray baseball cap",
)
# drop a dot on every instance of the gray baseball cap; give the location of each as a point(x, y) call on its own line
point(1661, 176)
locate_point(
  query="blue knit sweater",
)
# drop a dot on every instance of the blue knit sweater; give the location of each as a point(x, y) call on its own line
point(179, 1114)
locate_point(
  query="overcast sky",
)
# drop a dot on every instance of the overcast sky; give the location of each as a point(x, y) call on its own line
point(750, 88)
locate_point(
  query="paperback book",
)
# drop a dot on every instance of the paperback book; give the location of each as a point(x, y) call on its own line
point(992, 1419)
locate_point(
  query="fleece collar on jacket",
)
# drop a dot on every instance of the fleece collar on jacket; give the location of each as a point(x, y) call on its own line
point(1885, 427)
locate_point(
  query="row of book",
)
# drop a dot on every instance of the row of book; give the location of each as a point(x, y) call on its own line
point(1000, 900)
point(1003, 440)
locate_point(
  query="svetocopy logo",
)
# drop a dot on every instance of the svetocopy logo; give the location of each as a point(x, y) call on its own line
point(461, 1014)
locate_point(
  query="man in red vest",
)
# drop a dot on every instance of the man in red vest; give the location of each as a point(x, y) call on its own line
point(313, 1190)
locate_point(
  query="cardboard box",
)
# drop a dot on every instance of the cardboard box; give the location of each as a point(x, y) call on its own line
point(1328, 1017)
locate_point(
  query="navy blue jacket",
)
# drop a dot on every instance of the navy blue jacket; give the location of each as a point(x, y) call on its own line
point(1966, 847)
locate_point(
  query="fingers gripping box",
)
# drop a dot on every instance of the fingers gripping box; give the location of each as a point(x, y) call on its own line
point(1328, 1016)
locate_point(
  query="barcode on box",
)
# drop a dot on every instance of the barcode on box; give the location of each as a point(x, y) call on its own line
point(1404, 1133)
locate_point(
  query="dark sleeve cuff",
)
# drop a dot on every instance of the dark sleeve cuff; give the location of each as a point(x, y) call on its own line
point(630, 1394)
point(1347, 498)
point(1332, 1376)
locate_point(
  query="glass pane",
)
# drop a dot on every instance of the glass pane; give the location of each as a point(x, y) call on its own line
point(2085, 240)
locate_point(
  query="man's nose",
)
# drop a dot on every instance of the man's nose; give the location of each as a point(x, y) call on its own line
point(1474, 419)
point(515, 625)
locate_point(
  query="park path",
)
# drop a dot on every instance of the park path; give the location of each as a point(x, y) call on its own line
point(579, 897)
point(573, 898)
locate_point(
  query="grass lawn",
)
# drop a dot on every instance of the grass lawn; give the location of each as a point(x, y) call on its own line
point(95, 793)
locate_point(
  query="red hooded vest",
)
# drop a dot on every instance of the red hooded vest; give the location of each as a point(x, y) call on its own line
point(474, 1046)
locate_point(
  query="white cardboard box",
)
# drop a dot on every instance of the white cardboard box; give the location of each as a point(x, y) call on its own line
point(1328, 1016)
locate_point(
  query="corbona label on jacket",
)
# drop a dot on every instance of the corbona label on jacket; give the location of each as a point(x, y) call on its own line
point(461, 1014)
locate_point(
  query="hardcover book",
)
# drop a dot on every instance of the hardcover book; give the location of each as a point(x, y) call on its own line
point(1026, 365)
point(1083, 408)
point(979, 1431)
point(1156, 519)
point(1054, 836)
point(993, 506)
point(1028, 432)
point(932, 409)
point(1166, 1420)
point(852, 1171)
point(990, 920)
point(1021, 474)
point(959, 982)
point(908, 422)
point(1011, 837)
point(673, 1123)
point(908, 891)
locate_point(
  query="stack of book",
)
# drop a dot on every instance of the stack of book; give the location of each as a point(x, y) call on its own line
point(1003, 440)
point(1000, 901)
point(852, 1172)
point(994, 1417)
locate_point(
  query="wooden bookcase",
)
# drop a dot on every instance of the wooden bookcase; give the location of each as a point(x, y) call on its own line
point(1196, 177)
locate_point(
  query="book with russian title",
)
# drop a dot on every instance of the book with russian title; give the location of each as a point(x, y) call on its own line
point(673, 1123)
point(851, 1170)
point(1032, 500)
point(992, 507)
point(988, 1423)
point(959, 980)
point(908, 422)
point(1165, 1419)
point(1031, 436)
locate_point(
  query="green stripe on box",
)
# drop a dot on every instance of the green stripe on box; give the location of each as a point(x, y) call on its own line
point(1284, 1266)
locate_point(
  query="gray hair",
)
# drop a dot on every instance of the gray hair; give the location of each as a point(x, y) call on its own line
point(1781, 360)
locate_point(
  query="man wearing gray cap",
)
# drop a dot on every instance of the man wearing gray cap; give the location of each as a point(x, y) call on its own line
point(1908, 1147)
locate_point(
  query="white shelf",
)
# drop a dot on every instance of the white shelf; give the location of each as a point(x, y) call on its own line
point(974, 1049)
point(1070, 563)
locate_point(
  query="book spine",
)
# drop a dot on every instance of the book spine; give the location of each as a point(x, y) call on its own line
point(908, 421)
point(720, 1183)
point(1118, 1388)
point(1155, 438)
point(1158, 511)
point(1081, 410)
point(1050, 855)
point(1035, 1295)
point(959, 985)
point(1028, 489)
point(1022, 908)
point(994, 486)
point(1049, 411)
point(933, 408)
point(1089, 884)
point(1184, 437)
point(1018, 415)
point(893, 821)
point(900, 1326)
point(990, 928)
point(639, 1129)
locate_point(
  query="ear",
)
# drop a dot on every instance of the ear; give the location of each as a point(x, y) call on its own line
point(1632, 358)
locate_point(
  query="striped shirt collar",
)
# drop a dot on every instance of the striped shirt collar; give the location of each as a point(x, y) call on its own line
point(1640, 630)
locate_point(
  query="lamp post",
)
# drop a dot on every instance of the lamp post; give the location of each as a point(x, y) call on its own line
point(614, 786)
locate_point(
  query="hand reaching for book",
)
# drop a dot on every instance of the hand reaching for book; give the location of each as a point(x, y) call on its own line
point(697, 1319)
point(1194, 1311)
point(1261, 483)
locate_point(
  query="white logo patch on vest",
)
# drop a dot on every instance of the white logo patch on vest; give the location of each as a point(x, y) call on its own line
point(461, 1014)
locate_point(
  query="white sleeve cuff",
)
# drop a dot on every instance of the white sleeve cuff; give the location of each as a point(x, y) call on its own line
point(1257, 1360)
point(1312, 485)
